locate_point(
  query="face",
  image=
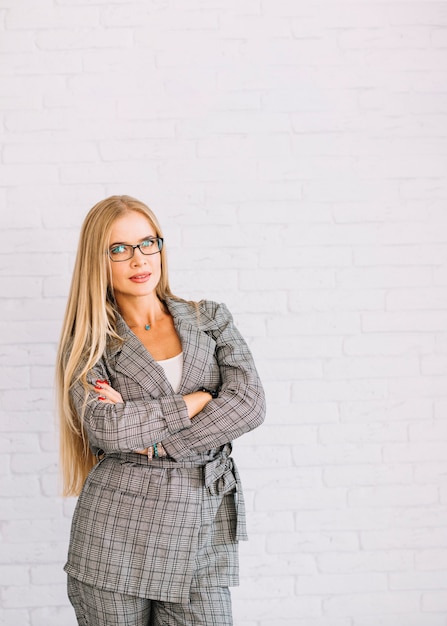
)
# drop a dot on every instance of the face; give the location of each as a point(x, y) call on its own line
point(139, 275)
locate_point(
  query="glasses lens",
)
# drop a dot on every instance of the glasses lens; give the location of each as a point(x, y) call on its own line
point(121, 252)
point(150, 246)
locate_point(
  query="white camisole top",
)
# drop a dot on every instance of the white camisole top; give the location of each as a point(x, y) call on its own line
point(173, 368)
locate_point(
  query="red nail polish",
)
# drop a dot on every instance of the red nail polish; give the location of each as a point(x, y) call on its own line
point(101, 398)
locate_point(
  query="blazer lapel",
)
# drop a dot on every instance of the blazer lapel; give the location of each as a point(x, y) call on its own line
point(133, 360)
point(198, 347)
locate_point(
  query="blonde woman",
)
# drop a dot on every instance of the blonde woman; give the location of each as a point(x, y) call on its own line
point(152, 390)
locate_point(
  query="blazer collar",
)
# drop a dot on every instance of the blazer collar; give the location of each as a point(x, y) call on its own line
point(132, 359)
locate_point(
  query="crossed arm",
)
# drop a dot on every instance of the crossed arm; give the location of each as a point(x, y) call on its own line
point(184, 425)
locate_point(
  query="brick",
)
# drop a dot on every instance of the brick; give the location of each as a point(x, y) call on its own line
point(125, 171)
point(432, 431)
point(372, 432)
point(340, 584)
point(322, 455)
point(416, 299)
point(30, 174)
point(40, 531)
point(397, 409)
point(254, 146)
point(407, 321)
point(287, 212)
point(113, 150)
point(77, 39)
point(362, 475)
point(50, 153)
point(14, 378)
point(373, 604)
point(337, 300)
point(390, 344)
point(280, 608)
point(340, 390)
point(14, 616)
point(207, 170)
point(431, 560)
point(313, 498)
point(414, 452)
point(19, 486)
point(279, 565)
point(275, 587)
point(393, 495)
point(316, 324)
point(375, 524)
point(34, 416)
point(311, 257)
point(34, 463)
point(419, 580)
point(381, 38)
point(300, 346)
point(384, 277)
point(434, 601)
point(234, 122)
point(14, 575)
point(19, 443)
point(53, 616)
point(363, 561)
point(404, 539)
point(430, 473)
point(433, 365)
point(52, 595)
point(371, 367)
point(422, 387)
point(30, 332)
point(409, 619)
point(308, 278)
point(311, 542)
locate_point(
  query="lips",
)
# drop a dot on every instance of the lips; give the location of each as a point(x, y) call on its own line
point(140, 278)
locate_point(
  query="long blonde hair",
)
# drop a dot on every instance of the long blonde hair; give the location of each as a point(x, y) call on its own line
point(90, 319)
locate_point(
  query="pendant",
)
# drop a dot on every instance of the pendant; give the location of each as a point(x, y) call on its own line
point(147, 327)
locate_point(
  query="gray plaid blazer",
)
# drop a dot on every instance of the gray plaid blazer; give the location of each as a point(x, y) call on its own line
point(157, 528)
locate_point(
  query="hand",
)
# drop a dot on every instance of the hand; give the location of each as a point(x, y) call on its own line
point(150, 452)
point(106, 393)
point(196, 402)
point(110, 396)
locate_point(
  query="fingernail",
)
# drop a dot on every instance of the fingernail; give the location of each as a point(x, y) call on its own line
point(98, 387)
point(101, 398)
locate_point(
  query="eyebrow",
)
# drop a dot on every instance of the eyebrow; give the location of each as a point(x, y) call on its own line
point(117, 243)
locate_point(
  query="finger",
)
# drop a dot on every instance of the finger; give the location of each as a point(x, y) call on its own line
point(103, 396)
point(104, 388)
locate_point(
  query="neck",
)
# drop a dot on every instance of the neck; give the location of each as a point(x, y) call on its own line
point(139, 312)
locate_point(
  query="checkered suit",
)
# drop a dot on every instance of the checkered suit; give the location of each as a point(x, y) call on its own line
point(160, 528)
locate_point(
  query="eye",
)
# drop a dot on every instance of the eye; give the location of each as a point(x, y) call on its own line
point(119, 249)
point(147, 243)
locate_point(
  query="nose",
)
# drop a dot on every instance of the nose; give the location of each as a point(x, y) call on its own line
point(138, 257)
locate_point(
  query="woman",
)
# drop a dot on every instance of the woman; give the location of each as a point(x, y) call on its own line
point(152, 389)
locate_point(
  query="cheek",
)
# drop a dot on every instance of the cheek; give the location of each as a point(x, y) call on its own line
point(116, 274)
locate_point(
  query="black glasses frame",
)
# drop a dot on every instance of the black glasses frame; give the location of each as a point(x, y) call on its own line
point(159, 241)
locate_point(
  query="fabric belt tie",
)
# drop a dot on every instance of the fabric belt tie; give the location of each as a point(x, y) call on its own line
point(221, 478)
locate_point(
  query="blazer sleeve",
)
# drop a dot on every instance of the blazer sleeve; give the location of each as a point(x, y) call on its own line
point(127, 426)
point(240, 406)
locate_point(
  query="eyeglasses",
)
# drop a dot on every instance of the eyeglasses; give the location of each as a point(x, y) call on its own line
point(125, 251)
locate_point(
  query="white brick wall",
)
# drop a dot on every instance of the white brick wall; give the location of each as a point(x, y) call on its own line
point(296, 153)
